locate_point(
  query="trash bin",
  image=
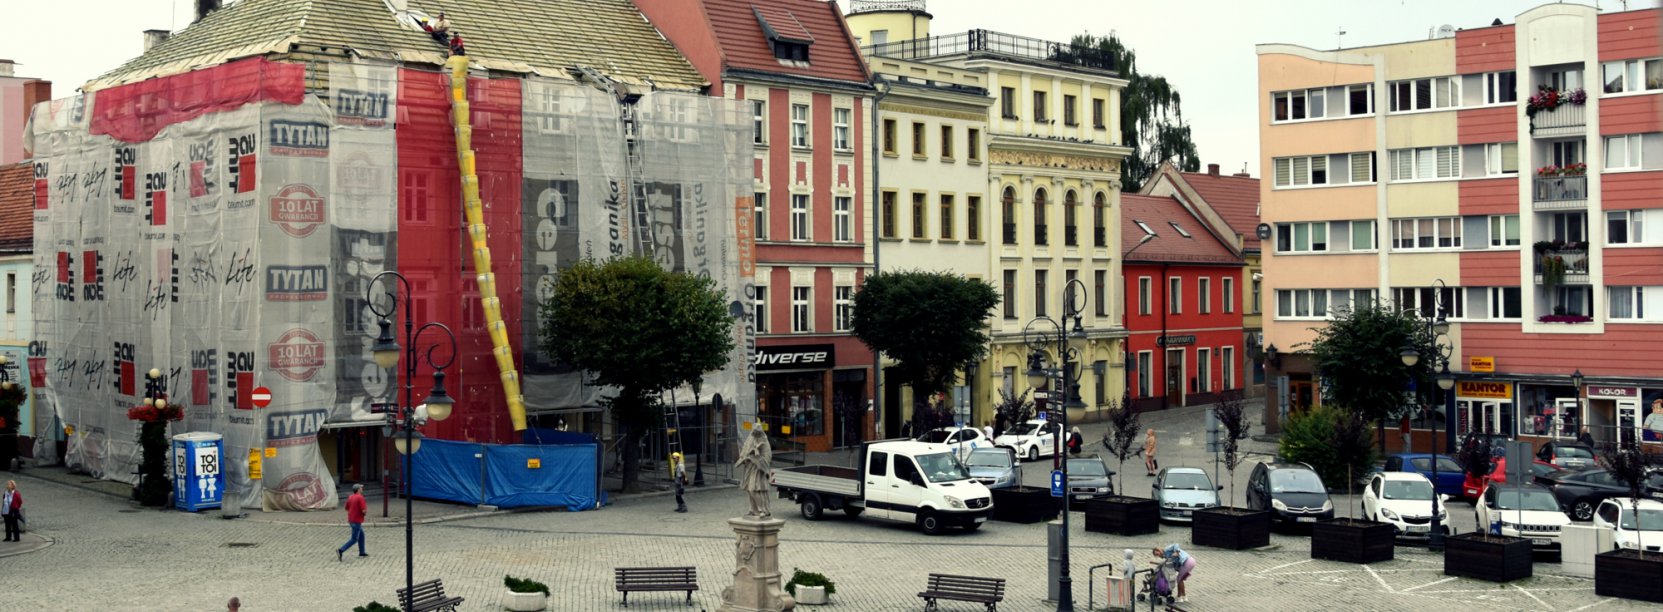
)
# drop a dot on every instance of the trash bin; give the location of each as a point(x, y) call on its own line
point(198, 478)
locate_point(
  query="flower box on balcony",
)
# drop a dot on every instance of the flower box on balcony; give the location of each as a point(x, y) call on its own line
point(1559, 318)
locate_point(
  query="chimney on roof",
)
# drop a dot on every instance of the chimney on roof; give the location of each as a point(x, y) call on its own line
point(155, 37)
point(203, 7)
point(1212, 169)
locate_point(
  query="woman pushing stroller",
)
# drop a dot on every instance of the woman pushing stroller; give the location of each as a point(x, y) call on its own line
point(1180, 560)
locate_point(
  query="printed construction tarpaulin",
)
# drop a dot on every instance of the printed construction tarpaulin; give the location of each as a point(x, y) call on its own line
point(233, 248)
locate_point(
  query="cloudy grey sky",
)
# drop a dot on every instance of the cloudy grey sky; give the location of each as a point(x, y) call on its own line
point(1205, 47)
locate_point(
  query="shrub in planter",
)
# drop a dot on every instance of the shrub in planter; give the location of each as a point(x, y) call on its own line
point(525, 595)
point(1121, 515)
point(1353, 541)
point(375, 606)
point(1230, 528)
point(1024, 505)
point(1489, 557)
point(819, 584)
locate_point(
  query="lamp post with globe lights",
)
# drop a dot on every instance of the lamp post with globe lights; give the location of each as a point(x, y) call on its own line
point(1435, 328)
point(1069, 342)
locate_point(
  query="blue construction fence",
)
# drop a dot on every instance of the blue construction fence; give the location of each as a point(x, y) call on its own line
point(554, 469)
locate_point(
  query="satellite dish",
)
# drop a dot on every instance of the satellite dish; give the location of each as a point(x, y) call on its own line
point(1446, 31)
point(1264, 231)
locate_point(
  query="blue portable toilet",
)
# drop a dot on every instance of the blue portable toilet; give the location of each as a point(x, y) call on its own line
point(198, 478)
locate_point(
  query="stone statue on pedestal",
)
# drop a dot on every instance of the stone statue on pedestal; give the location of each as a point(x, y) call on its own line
point(755, 458)
point(757, 586)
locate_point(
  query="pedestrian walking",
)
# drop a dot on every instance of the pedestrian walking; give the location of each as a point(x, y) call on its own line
point(355, 507)
point(11, 506)
point(1181, 560)
point(678, 467)
point(1585, 437)
point(1149, 462)
point(1075, 441)
point(987, 430)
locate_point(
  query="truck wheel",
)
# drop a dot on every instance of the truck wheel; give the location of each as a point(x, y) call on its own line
point(929, 523)
point(811, 507)
point(1033, 453)
point(852, 511)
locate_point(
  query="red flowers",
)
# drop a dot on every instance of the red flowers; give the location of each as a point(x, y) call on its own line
point(152, 414)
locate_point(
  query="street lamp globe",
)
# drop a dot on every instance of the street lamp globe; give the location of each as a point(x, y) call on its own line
point(150, 401)
point(438, 402)
point(1036, 374)
point(1576, 378)
point(1441, 325)
point(7, 385)
point(1077, 337)
point(4, 360)
point(408, 446)
point(1446, 380)
point(161, 402)
point(153, 374)
point(1410, 355)
point(385, 350)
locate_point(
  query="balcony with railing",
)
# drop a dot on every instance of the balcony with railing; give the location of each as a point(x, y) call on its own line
point(877, 6)
point(1010, 233)
point(999, 45)
point(1070, 235)
point(1560, 193)
point(1562, 266)
point(1041, 234)
point(1099, 237)
point(1566, 119)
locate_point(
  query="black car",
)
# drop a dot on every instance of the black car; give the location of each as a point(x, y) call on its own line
point(1292, 491)
point(1580, 491)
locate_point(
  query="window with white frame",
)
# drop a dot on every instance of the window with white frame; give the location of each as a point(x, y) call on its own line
point(1505, 302)
point(1319, 303)
point(1204, 295)
point(1564, 79)
point(1362, 167)
point(760, 230)
point(1629, 303)
point(1425, 94)
point(1363, 236)
point(1634, 227)
point(1501, 87)
point(1227, 358)
point(1347, 299)
point(1634, 151)
point(761, 309)
point(843, 219)
point(1359, 99)
point(1301, 171)
point(1504, 231)
point(1298, 105)
point(1501, 158)
point(1204, 369)
point(1426, 163)
point(1426, 301)
point(1426, 233)
point(1229, 295)
point(759, 122)
point(799, 125)
point(1175, 295)
point(799, 218)
point(801, 317)
point(1144, 226)
point(1145, 300)
point(1319, 170)
point(1146, 374)
point(840, 129)
point(1573, 300)
point(1303, 237)
point(1568, 152)
point(1181, 231)
point(1633, 75)
point(843, 308)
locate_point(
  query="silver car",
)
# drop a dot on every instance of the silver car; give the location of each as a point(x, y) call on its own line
point(1181, 491)
point(995, 467)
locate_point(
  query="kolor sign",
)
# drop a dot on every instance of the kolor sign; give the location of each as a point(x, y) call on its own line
point(797, 357)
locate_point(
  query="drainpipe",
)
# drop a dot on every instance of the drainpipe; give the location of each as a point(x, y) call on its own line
point(878, 418)
point(1166, 307)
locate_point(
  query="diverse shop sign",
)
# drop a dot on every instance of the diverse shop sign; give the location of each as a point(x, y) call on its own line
point(796, 357)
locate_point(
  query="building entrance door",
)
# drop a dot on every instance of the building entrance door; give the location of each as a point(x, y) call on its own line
point(1567, 417)
point(1174, 377)
point(1628, 421)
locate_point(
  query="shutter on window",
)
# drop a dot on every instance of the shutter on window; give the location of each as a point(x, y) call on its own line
point(1301, 170)
point(1510, 157)
point(1403, 165)
point(1362, 167)
point(1283, 176)
point(1447, 159)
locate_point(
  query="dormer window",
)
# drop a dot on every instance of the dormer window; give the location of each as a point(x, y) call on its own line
point(787, 37)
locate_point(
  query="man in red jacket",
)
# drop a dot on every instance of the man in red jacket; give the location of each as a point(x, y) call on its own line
point(11, 505)
point(355, 517)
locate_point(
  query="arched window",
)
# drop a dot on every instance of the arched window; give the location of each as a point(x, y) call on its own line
point(1039, 218)
point(1008, 201)
point(1070, 231)
point(1099, 227)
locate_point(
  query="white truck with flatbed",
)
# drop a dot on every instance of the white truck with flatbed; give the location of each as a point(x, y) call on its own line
point(898, 480)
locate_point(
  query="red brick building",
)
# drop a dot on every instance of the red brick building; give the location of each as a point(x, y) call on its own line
point(810, 98)
point(1182, 266)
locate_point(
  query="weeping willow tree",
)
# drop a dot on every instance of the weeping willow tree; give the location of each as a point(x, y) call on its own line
point(1151, 114)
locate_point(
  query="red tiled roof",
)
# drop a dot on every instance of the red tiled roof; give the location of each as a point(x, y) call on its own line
point(1159, 213)
point(17, 204)
point(744, 45)
point(1235, 198)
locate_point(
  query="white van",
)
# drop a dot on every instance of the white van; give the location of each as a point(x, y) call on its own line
point(902, 480)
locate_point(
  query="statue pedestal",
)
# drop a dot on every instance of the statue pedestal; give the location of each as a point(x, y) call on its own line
point(757, 586)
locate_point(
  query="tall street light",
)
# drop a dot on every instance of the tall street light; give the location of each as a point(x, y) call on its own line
point(1069, 344)
point(404, 417)
point(1438, 360)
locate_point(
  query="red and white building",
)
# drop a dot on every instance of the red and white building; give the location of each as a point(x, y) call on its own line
point(811, 98)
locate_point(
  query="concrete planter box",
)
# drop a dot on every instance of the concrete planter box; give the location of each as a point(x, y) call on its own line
point(1488, 557)
point(1353, 541)
point(1127, 516)
point(1626, 574)
point(525, 602)
point(1230, 528)
point(812, 595)
point(1024, 505)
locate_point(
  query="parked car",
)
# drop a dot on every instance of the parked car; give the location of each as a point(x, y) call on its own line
point(1617, 515)
point(1472, 486)
point(906, 481)
point(1404, 501)
point(1579, 492)
point(1567, 454)
point(997, 468)
point(1181, 491)
point(1292, 491)
point(961, 439)
point(1032, 439)
point(1450, 476)
point(1088, 477)
point(1526, 511)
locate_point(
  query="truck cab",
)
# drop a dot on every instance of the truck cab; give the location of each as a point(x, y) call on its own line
point(907, 481)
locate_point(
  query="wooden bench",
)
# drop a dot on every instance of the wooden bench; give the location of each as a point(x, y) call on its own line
point(985, 591)
point(637, 579)
point(427, 597)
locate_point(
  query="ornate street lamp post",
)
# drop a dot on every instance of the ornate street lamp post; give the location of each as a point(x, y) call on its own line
point(1439, 361)
point(1068, 343)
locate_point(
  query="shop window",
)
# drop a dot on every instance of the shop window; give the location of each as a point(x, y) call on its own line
point(795, 401)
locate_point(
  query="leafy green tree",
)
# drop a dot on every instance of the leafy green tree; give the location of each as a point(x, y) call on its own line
point(1359, 357)
point(932, 324)
point(639, 329)
point(1151, 114)
point(1233, 427)
point(1332, 440)
point(1124, 437)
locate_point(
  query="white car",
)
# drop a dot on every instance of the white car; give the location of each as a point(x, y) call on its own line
point(1526, 511)
point(1629, 533)
point(961, 439)
point(1404, 501)
point(1032, 439)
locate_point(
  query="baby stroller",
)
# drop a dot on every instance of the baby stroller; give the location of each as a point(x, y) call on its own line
point(1159, 584)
